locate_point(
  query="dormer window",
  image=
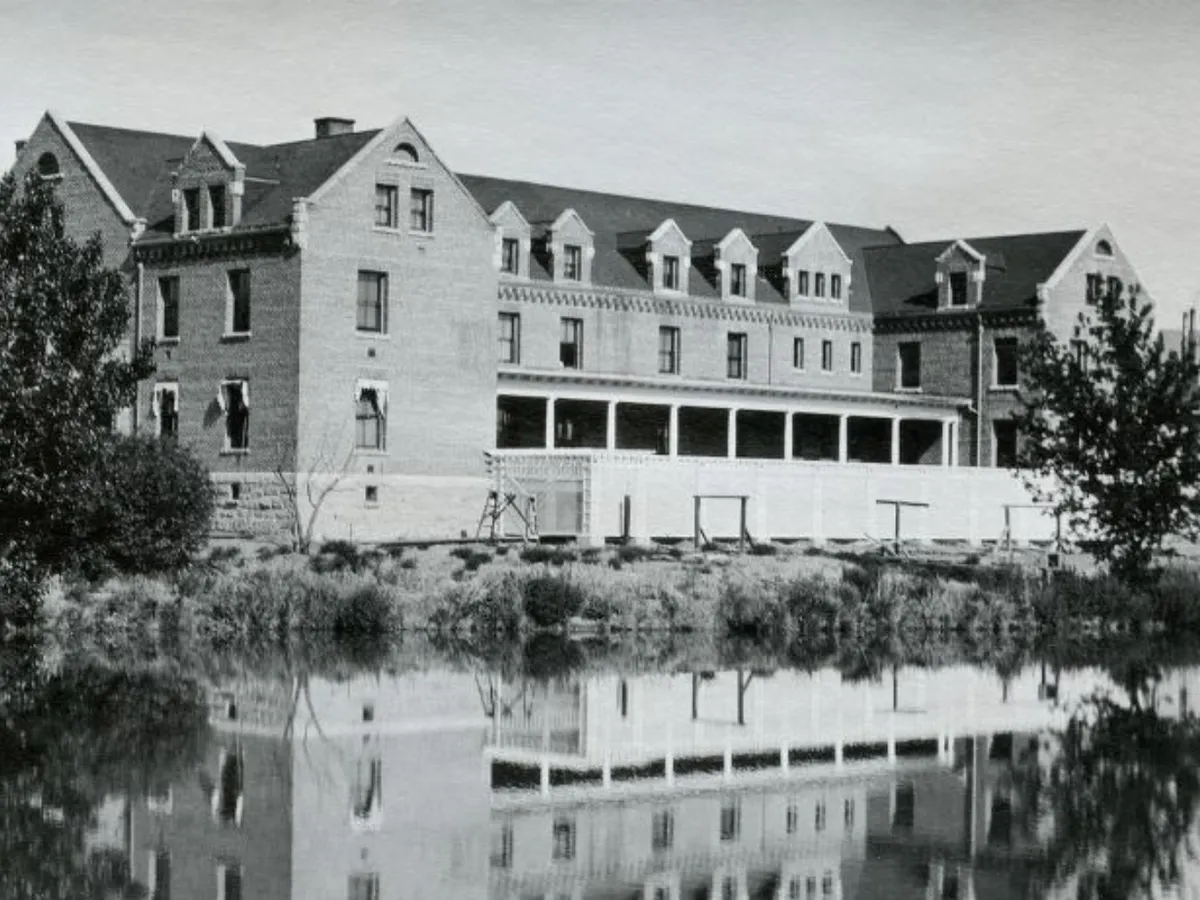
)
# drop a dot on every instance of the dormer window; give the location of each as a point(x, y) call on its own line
point(670, 273)
point(816, 265)
point(958, 288)
point(572, 262)
point(1104, 249)
point(191, 209)
point(737, 280)
point(216, 202)
point(510, 256)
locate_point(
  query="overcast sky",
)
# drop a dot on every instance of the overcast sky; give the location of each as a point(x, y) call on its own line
point(941, 119)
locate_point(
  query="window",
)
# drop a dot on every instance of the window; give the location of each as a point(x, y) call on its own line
point(406, 152)
point(237, 316)
point(235, 402)
point(168, 308)
point(502, 846)
point(835, 287)
point(47, 166)
point(794, 889)
point(1006, 362)
point(826, 356)
point(662, 830)
point(728, 888)
point(819, 817)
point(1005, 434)
point(510, 256)
point(819, 284)
point(1082, 355)
point(564, 839)
point(191, 209)
point(387, 201)
point(623, 698)
point(904, 808)
point(909, 360)
point(216, 203)
point(735, 356)
point(802, 282)
point(1104, 248)
point(570, 344)
point(798, 353)
point(370, 419)
point(958, 288)
point(229, 881)
point(1095, 287)
point(731, 821)
point(372, 302)
point(827, 884)
point(227, 803)
point(573, 262)
point(810, 887)
point(668, 350)
point(165, 408)
point(1115, 286)
point(510, 338)
point(670, 273)
point(368, 789)
point(363, 887)
point(856, 358)
point(737, 280)
point(792, 818)
point(848, 813)
point(420, 210)
point(159, 876)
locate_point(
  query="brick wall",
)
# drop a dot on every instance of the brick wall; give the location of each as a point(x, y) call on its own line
point(625, 341)
point(1068, 298)
point(438, 356)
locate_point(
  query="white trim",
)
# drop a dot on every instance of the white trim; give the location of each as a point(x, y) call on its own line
point(221, 148)
point(92, 167)
point(565, 216)
point(667, 226)
point(722, 246)
point(961, 244)
point(800, 242)
point(508, 208)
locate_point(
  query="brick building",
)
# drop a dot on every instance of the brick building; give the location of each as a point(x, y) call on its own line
point(313, 333)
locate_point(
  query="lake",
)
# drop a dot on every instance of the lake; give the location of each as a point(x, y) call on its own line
point(652, 772)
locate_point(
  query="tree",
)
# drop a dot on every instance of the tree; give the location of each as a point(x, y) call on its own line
point(1111, 432)
point(63, 319)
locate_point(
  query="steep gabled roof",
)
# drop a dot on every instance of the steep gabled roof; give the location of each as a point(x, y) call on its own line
point(139, 165)
point(901, 278)
point(619, 222)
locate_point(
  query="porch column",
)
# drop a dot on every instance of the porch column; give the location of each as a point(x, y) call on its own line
point(611, 434)
point(549, 423)
point(673, 431)
point(946, 431)
point(895, 440)
point(731, 434)
point(787, 434)
point(843, 438)
point(954, 444)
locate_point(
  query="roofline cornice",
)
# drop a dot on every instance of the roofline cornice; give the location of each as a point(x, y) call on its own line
point(638, 301)
point(93, 167)
point(269, 240)
point(958, 320)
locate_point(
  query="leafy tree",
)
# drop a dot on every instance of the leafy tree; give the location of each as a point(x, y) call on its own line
point(63, 318)
point(145, 508)
point(1112, 434)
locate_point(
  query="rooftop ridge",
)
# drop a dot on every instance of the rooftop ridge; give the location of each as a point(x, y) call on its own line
point(942, 242)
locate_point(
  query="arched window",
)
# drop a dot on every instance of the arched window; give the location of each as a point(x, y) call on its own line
point(1104, 248)
point(47, 166)
point(406, 152)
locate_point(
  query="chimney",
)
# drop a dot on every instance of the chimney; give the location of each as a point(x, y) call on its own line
point(329, 126)
point(21, 146)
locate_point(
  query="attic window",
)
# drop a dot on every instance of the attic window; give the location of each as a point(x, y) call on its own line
point(406, 152)
point(47, 166)
point(1104, 248)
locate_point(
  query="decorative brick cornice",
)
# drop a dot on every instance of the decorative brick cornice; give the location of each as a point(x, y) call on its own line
point(636, 301)
point(264, 242)
point(959, 320)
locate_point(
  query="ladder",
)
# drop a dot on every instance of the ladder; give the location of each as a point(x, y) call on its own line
point(499, 502)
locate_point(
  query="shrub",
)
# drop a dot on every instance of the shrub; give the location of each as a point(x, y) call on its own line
point(336, 556)
point(145, 508)
point(471, 557)
point(541, 553)
point(550, 598)
point(364, 609)
point(757, 549)
point(226, 553)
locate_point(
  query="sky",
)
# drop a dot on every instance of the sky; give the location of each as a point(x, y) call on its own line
point(941, 118)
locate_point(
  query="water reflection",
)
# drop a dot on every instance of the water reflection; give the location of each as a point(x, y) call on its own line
point(273, 781)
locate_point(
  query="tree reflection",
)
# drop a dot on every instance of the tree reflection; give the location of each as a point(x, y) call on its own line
point(1117, 790)
point(68, 740)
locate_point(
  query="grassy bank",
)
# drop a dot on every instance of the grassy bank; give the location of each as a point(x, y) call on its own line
point(801, 602)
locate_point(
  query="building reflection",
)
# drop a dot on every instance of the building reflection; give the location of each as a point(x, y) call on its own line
point(725, 784)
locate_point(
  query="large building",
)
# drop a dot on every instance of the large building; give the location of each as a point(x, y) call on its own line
point(347, 313)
